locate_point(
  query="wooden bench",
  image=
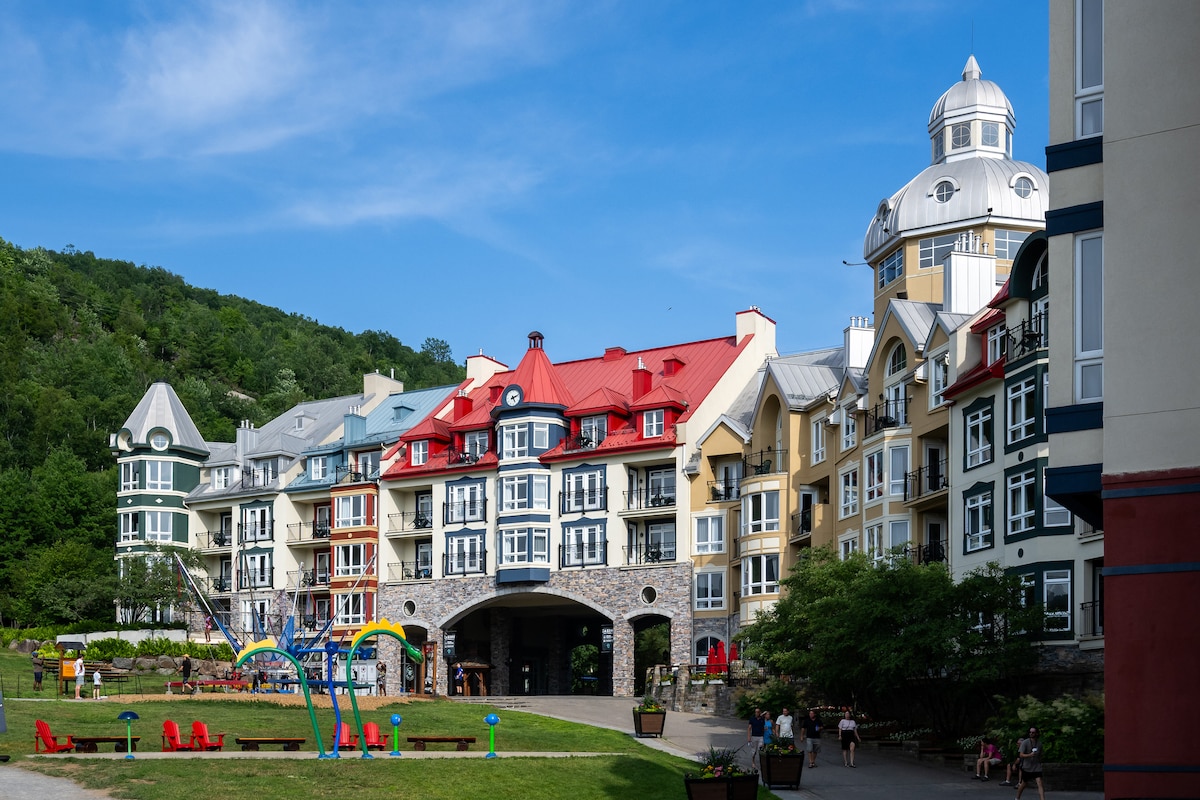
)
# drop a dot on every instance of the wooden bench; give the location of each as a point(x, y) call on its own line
point(90, 744)
point(198, 686)
point(255, 742)
point(460, 742)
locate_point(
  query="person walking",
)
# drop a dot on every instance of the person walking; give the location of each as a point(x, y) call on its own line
point(848, 732)
point(754, 736)
point(186, 669)
point(810, 732)
point(1031, 764)
point(80, 675)
point(39, 667)
point(768, 728)
point(783, 726)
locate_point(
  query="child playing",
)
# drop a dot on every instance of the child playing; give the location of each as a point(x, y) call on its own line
point(96, 685)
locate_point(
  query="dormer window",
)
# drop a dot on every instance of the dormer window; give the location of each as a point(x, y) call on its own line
point(995, 344)
point(400, 412)
point(475, 443)
point(299, 423)
point(368, 464)
point(159, 441)
point(652, 423)
point(419, 452)
point(318, 468)
point(593, 430)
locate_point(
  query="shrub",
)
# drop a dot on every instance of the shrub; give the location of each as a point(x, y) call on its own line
point(108, 649)
point(773, 697)
point(1071, 728)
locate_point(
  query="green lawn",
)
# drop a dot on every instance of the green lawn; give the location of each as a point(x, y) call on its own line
point(636, 772)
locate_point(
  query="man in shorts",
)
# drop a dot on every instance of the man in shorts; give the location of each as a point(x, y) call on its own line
point(1031, 764)
point(810, 732)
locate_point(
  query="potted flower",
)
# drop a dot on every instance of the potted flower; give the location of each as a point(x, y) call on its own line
point(649, 717)
point(721, 778)
point(781, 764)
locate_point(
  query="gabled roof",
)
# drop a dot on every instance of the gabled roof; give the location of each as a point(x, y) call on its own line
point(914, 318)
point(989, 320)
point(598, 402)
point(383, 424)
point(161, 408)
point(662, 396)
point(429, 428)
point(806, 377)
point(945, 321)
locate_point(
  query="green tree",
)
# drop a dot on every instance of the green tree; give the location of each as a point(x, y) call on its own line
point(651, 645)
point(151, 582)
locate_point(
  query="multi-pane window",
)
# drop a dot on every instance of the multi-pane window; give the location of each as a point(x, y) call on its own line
point(465, 502)
point(1008, 242)
point(593, 429)
point(525, 546)
point(1054, 515)
point(368, 464)
point(267, 470)
point(874, 542)
point(583, 545)
point(660, 541)
point(960, 135)
point(541, 436)
point(1022, 503)
point(849, 428)
point(419, 451)
point(1056, 599)
point(996, 339)
point(584, 491)
point(847, 546)
point(465, 554)
point(258, 573)
point(318, 468)
point(475, 443)
point(256, 524)
point(222, 477)
point(710, 591)
point(652, 423)
point(349, 560)
point(848, 497)
point(990, 134)
point(1089, 317)
point(710, 534)
point(661, 486)
point(424, 515)
point(1089, 68)
point(979, 437)
point(159, 475)
point(897, 470)
point(350, 609)
point(818, 441)
point(939, 369)
point(514, 441)
point(760, 574)
point(898, 535)
point(977, 513)
point(874, 476)
point(128, 525)
point(933, 251)
point(350, 511)
point(1022, 409)
point(761, 512)
point(129, 476)
point(892, 267)
point(525, 491)
point(897, 360)
point(896, 403)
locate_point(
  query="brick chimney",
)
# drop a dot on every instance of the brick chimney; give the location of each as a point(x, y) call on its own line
point(641, 380)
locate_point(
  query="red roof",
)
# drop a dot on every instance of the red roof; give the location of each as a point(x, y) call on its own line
point(989, 320)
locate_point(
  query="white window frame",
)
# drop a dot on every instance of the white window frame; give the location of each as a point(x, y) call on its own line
point(1088, 91)
point(514, 440)
point(419, 452)
point(849, 428)
point(350, 609)
point(595, 428)
point(466, 502)
point(977, 529)
point(818, 441)
point(584, 490)
point(710, 534)
point(318, 468)
point(873, 543)
point(259, 571)
point(514, 493)
point(129, 475)
point(898, 534)
point(939, 379)
point(898, 468)
point(222, 477)
point(583, 545)
point(710, 591)
point(1054, 514)
point(1089, 315)
point(848, 493)
point(541, 436)
point(350, 560)
point(653, 423)
point(996, 338)
point(159, 476)
point(760, 574)
point(896, 405)
point(350, 511)
point(367, 464)
point(873, 474)
point(1022, 502)
point(761, 511)
point(847, 546)
point(1022, 409)
point(660, 536)
point(127, 524)
point(256, 524)
point(1054, 580)
point(475, 443)
point(661, 483)
point(525, 545)
point(976, 425)
point(465, 554)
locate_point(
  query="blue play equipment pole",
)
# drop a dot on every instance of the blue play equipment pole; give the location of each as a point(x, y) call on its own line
point(129, 717)
point(491, 720)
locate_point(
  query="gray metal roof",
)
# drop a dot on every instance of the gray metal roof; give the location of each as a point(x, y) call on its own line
point(968, 95)
point(161, 409)
point(382, 423)
point(806, 377)
point(915, 319)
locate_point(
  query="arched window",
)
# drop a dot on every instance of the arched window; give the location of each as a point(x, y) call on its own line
point(898, 360)
point(703, 645)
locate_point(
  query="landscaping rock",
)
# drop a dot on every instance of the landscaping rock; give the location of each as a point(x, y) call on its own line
point(166, 662)
point(121, 662)
point(25, 646)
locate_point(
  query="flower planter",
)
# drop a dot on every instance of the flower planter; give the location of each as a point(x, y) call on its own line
point(649, 723)
point(782, 770)
point(741, 787)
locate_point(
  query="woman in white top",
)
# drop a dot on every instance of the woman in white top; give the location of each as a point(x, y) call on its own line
point(848, 733)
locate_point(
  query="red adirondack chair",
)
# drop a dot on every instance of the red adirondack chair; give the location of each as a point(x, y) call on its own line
point(344, 740)
point(374, 740)
point(48, 742)
point(202, 741)
point(170, 737)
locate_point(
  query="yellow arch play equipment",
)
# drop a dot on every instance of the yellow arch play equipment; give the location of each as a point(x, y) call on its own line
point(386, 628)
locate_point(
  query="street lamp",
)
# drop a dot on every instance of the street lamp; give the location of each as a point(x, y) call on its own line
point(129, 717)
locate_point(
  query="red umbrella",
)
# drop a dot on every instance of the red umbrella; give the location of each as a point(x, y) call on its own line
point(720, 656)
point(712, 660)
point(733, 654)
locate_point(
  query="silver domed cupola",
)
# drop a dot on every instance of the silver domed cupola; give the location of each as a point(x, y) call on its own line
point(973, 118)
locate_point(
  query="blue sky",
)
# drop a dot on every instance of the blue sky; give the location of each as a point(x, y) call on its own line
point(609, 173)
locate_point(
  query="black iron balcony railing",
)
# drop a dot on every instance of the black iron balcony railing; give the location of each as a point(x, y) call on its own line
point(723, 491)
point(764, 462)
point(657, 553)
point(583, 500)
point(650, 499)
point(583, 554)
point(926, 480)
point(887, 414)
point(928, 553)
point(222, 537)
point(464, 511)
point(257, 477)
point(308, 579)
point(221, 583)
point(256, 531)
point(583, 441)
point(1030, 336)
point(346, 474)
point(307, 532)
point(257, 580)
point(410, 570)
point(312, 622)
point(802, 522)
point(469, 456)
point(409, 521)
point(1091, 618)
point(465, 563)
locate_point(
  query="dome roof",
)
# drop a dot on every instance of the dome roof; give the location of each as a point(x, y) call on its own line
point(957, 192)
point(967, 95)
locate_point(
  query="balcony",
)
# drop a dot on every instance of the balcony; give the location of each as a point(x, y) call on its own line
point(582, 442)
point(583, 554)
point(650, 500)
point(764, 462)
point(465, 563)
point(723, 491)
point(409, 522)
point(222, 584)
point(464, 511)
point(582, 500)
point(1087, 531)
point(805, 522)
point(927, 481)
point(928, 553)
point(308, 532)
point(308, 579)
point(887, 414)
point(256, 532)
point(259, 580)
point(1091, 619)
point(656, 553)
point(456, 457)
point(253, 478)
point(222, 537)
point(1029, 337)
point(410, 571)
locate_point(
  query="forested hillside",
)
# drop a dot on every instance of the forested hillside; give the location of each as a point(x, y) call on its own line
point(81, 338)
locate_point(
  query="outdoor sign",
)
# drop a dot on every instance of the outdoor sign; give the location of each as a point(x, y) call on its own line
point(448, 649)
point(606, 638)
